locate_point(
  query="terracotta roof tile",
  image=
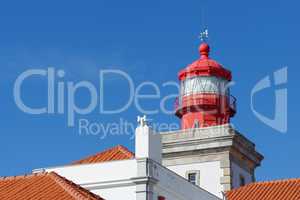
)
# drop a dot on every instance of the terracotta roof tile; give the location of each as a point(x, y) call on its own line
point(115, 153)
point(43, 186)
point(288, 189)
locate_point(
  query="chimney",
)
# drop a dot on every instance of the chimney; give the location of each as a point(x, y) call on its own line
point(147, 142)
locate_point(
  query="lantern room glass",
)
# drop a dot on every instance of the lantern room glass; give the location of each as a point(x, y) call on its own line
point(204, 84)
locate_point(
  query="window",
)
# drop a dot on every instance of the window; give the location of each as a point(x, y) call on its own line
point(192, 178)
point(204, 84)
point(242, 181)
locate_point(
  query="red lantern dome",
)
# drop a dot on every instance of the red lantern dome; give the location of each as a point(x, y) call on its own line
point(205, 66)
point(204, 98)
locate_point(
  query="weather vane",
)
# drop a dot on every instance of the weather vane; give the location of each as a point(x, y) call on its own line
point(142, 120)
point(204, 35)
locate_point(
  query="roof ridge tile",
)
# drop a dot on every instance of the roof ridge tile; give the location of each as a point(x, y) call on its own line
point(73, 189)
point(118, 152)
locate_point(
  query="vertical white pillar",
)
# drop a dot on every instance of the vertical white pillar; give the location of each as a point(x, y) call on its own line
point(147, 142)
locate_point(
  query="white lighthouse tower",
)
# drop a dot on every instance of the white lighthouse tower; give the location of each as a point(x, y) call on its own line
point(207, 150)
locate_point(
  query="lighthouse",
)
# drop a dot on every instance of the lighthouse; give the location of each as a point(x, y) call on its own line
point(204, 98)
point(208, 151)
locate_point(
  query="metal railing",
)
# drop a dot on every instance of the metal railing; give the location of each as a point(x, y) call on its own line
point(231, 102)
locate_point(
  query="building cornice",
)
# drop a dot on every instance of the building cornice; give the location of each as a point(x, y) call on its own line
point(208, 141)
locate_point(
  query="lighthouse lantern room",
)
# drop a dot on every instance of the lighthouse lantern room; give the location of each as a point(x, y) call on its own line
point(204, 98)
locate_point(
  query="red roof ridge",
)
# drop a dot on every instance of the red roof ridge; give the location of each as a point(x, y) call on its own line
point(73, 189)
point(118, 152)
point(268, 182)
point(125, 151)
point(277, 181)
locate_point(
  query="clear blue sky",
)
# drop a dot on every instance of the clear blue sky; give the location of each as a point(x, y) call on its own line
point(150, 40)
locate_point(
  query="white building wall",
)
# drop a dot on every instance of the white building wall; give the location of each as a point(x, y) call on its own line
point(210, 173)
point(237, 171)
point(142, 179)
point(110, 180)
point(174, 187)
point(117, 193)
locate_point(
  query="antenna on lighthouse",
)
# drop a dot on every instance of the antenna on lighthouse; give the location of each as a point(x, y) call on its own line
point(204, 34)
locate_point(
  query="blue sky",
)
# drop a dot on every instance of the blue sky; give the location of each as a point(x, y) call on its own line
point(151, 41)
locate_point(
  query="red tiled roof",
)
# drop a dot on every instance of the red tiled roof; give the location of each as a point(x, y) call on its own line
point(115, 153)
point(43, 186)
point(288, 189)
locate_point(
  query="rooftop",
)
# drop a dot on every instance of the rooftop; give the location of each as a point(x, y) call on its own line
point(42, 186)
point(115, 153)
point(288, 189)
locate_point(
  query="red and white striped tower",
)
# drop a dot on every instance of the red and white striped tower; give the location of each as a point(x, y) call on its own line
point(204, 98)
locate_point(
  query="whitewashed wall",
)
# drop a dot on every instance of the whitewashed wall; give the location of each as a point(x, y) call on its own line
point(174, 187)
point(110, 180)
point(117, 193)
point(210, 173)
